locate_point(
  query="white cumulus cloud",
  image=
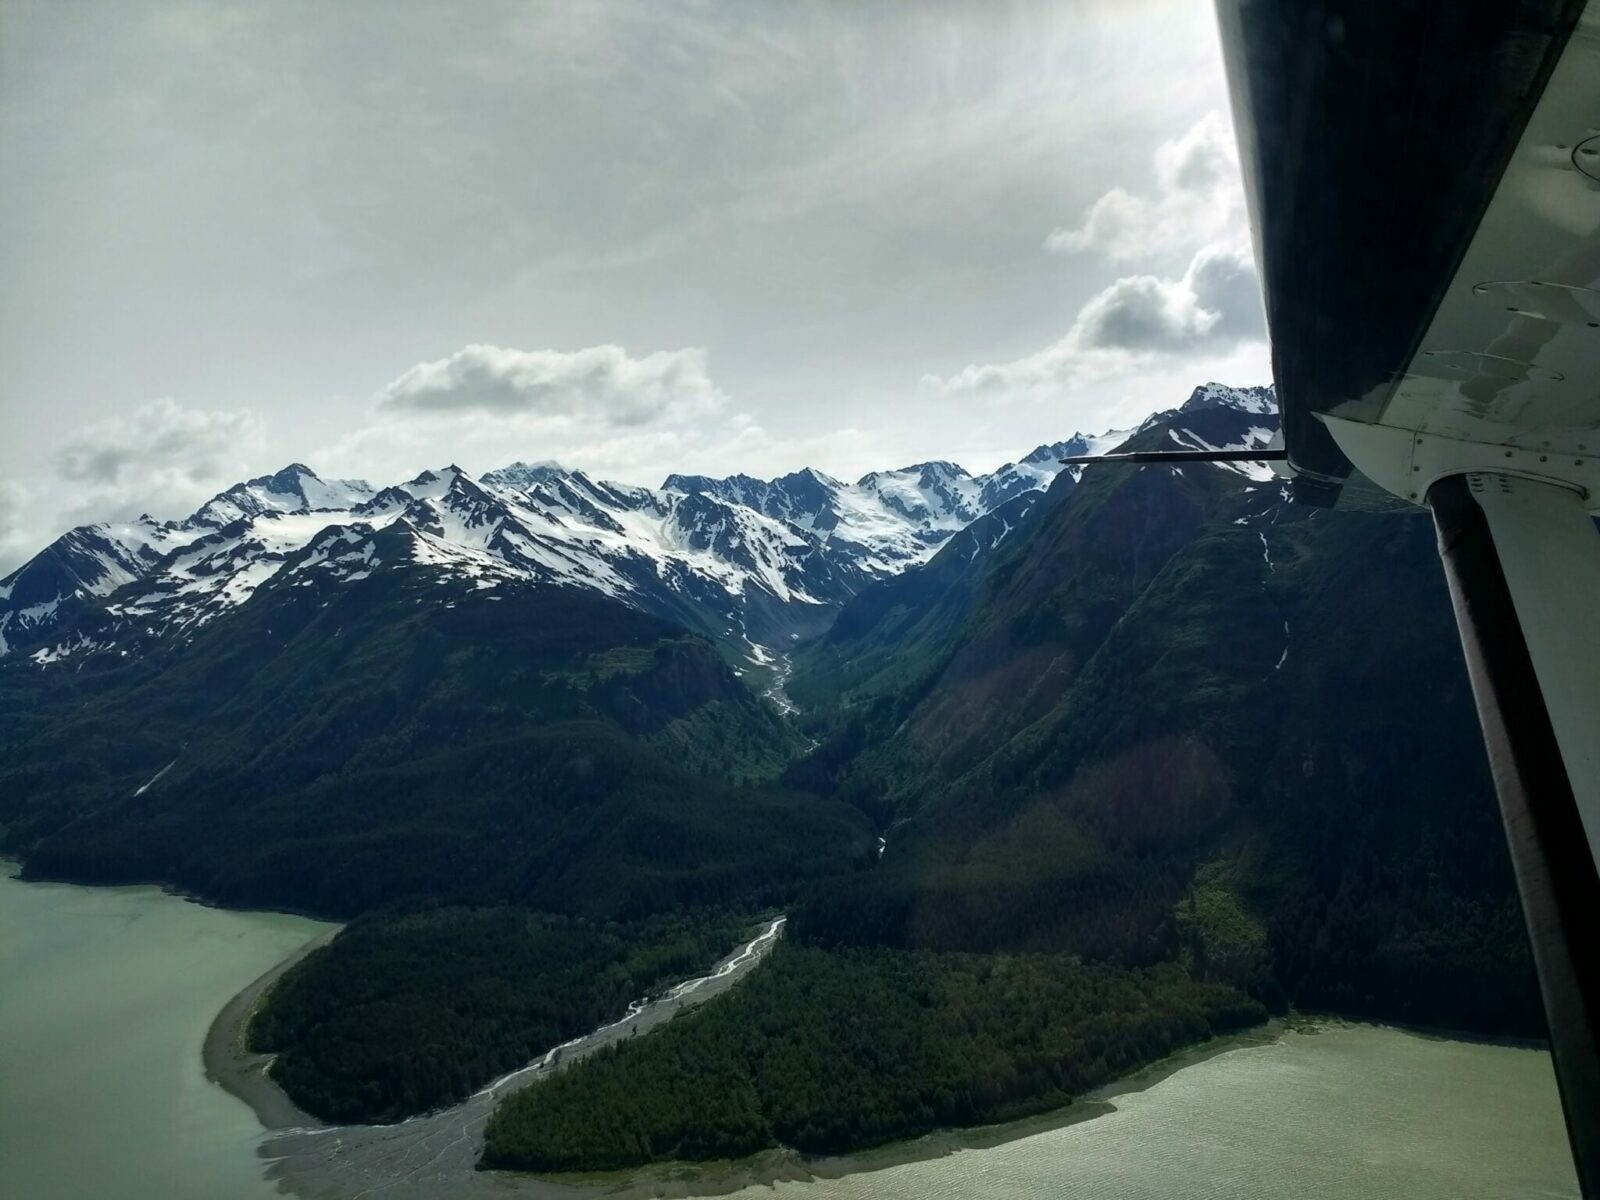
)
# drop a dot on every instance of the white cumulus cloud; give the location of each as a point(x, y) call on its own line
point(599, 407)
point(600, 385)
point(1198, 199)
point(1209, 310)
point(1140, 320)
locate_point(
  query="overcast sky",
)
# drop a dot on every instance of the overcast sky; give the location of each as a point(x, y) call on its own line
point(635, 238)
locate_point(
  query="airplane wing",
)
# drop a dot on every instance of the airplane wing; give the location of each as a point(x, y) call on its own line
point(1424, 186)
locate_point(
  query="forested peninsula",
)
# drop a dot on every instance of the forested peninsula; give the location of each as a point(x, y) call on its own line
point(1125, 765)
point(829, 1052)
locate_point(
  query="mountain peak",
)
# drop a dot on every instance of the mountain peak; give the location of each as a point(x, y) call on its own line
point(427, 476)
point(709, 483)
point(524, 475)
point(811, 475)
point(736, 555)
point(933, 469)
point(1260, 400)
point(284, 482)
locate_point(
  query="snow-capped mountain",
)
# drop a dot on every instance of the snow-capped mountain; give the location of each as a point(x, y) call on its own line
point(1259, 401)
point(296, 488)
point(1217, 417)
point(877, 526)
point(1039, 469)
point(524, 475)
point(754, 563)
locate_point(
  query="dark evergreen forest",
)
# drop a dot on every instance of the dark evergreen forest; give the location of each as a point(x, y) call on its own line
point(831, 1051)
point(404, 1014)
point(1169, 755)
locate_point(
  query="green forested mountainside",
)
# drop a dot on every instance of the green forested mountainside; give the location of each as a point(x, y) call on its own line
point(925, 608)
point(335, 747)
point(831, 1051)
point(1171, 727)
point(407, 1012)
point(1176, 697)
point(1184, 752)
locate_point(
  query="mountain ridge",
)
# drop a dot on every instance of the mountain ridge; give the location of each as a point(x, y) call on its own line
point(1138, 725)
point(754, 564)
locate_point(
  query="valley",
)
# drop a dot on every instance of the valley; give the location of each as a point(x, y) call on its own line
point(548, 745)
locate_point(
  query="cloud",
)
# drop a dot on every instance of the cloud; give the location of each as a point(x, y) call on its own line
point(1140, 320)
point(601, 385)
point(600, 407)
point(1199, 199)
point(161, 453)
point(633, 419)
point(1215, 304)
point(161, 435)
point(16, 537)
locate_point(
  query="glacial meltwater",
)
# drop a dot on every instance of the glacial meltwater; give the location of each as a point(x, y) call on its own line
point(1346, 1112)
point(106, 995)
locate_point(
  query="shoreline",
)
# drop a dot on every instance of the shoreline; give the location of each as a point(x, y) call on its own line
point(325, 1171)
point(22, 872)
point(436, 1155)
point(241, 1072)
point(784, 1165)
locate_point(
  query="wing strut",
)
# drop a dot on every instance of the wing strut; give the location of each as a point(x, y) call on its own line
point(1530, 644)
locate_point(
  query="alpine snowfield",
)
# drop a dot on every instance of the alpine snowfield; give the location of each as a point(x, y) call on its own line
point(755, 564)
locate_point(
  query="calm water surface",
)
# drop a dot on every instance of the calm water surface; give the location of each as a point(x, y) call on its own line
point(105, 998)
point(1348, 1113)
point(106, 995)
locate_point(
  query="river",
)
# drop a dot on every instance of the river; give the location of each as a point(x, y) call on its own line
point(106, 995)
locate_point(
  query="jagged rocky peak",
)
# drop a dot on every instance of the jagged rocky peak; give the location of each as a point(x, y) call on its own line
point(444, 475)
point(288, 479)
point(727, 486)
point(522, 475)
point(935, 494)
point(295, 488)
point(808, 489)
point(1258, 400)
point(462, 484)
point(936, 475)
point(1078, 443)
point(431, 485)
point(1055, 451)
point(736, 557)
point(388, 500)
point(606, 493)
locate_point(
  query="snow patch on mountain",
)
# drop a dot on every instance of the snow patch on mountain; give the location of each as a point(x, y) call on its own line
point(751, 562)
point(296, 488)
point(1258, 400)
